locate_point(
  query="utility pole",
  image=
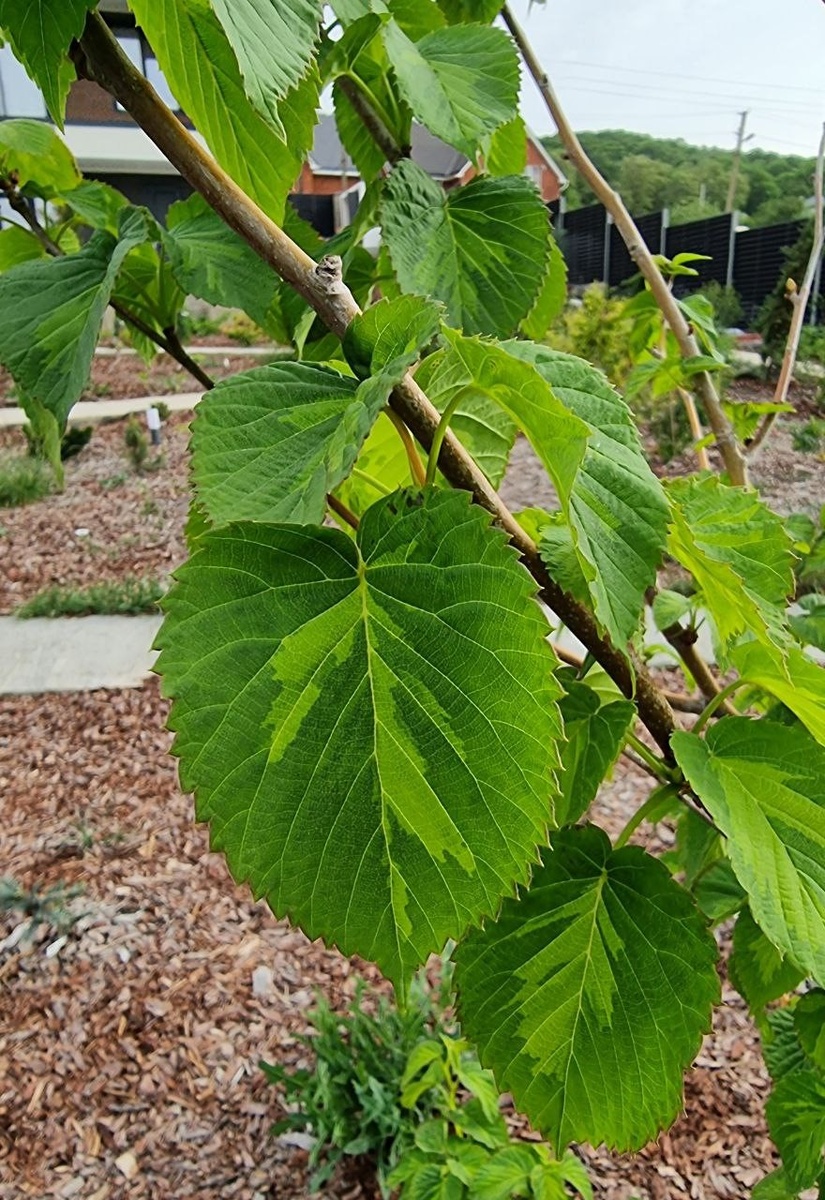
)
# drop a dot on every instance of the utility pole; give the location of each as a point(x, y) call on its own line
point(737, 159)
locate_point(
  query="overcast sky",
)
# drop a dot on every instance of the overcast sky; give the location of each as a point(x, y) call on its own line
point(683, 68)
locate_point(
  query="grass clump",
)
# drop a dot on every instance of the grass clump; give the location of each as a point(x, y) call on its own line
point(130, 596)
point(23, 480)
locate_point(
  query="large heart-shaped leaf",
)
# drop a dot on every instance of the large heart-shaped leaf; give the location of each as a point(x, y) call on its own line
point(369, 726)
point(764, 785)
point(588, 997)
point(461, 82)
point(52, 310)
point(481, 249)
point(40, 33)
point(200, 65)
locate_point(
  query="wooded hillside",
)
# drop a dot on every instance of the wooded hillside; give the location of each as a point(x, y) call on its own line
point(692, 181)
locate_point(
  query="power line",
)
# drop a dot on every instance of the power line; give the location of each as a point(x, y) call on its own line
point(761, 85)
point(733, 97)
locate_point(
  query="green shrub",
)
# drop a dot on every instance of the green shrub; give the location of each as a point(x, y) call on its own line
point(23, 480)
point(727, 304)
point(598, 330)
point(137, 444)
point(73, 441)
point(810, 437)
point(401, 1090)
point(129, 596)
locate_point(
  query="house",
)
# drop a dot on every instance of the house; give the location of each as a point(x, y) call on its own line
point(109, 146)
point(328, 187)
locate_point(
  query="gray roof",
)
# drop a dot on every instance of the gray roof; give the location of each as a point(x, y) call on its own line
point(438, 159)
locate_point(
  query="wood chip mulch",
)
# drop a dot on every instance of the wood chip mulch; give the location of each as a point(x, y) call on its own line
point(129, 1050)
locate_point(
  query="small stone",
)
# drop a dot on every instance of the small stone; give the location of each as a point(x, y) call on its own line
point(82, 532)
point(54, 948)
point(127, 1164)
point(262, 981)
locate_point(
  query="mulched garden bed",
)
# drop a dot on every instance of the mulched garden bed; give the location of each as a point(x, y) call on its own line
point(129, 1051)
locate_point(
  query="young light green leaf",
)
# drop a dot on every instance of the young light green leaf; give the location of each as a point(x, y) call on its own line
point(470, 11)
point(809, 1022)
point(212, 262)
point(505, 1174)
point(269, 444)
point(669, 608)
point(274, 43)
point(738, 552)
point(775, 1186)
point(481, 249)
point(790, 676)
point(615, 508)
point(588, 997)
point(39, 157)
point(370, 726)
point(40, 33)
point(595, 732)
point(52, 310)
point(381, 467)
point(389, 333)
point(461, 82)
point(759, 971)
point(18, 246)
point(764, 786)
point(809, 625)
point(796, 1119)
point(98, 204)
point(203, 73)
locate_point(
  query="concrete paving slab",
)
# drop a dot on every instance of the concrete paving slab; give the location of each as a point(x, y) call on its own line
point(75, 654)
point(86, 412)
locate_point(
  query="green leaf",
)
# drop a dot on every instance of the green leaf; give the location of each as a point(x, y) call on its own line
point(381, 467)
point(40, 33)
point(203, 73)
point(506, 1174)
point(486, 372)
point(390, 333)
point(146, 287)
point(615, 508)
point(809, 1021)
point(42, 161)
point(457, 11)
point(370, 726)
point(738, 552)
point(552, 297)
point(461, 82)
point(788, 675)
point(796, 1119)
point(809, 625)
point(764, 786)
point(595, 732)
point(590, 994)
point(775, 1186)
point(781, 1047)
point(274, 43)
point(505, 150)
point(717, 891)
point(212, 262)
point(669, 608)
point(480, 249)
point(18, 246)
point(46, 432)
point(52, 310)
point(98, 204)
point(558, 553)
point(269, 444)
point(759, 971)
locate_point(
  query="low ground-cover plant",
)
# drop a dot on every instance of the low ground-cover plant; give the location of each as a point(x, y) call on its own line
point(370, 716)
point(809, 438)
point(128, 596)
point(51, 906)
point(23, 480)
point(404, 1092)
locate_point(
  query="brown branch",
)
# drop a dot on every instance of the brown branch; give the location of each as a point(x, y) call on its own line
point(799, 301)
point(100, 58)
point(371, 121)
point(168, 341)
point(683, 642)
point(340, 509)
point(732, 455)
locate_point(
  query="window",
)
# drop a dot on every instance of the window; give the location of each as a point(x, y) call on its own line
point(158, 81)
point(19, 97)
point(533, 172)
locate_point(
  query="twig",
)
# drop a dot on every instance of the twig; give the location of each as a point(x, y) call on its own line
point(373, 124)
point(732, 455)
point(340, 509)
point(683, 642)
point(799, 301)
point(99, 57)
point(167, 341)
